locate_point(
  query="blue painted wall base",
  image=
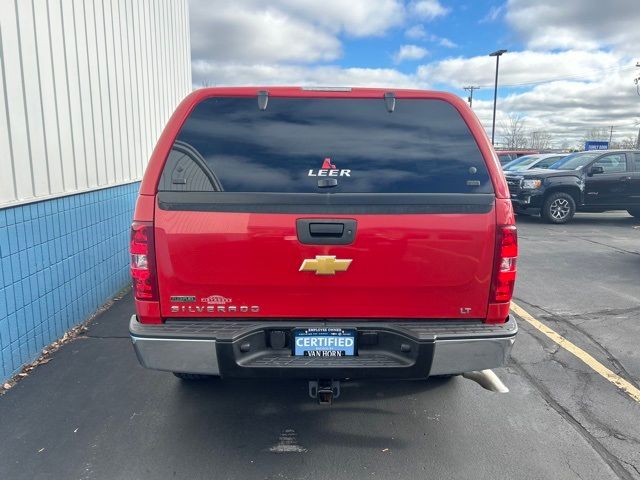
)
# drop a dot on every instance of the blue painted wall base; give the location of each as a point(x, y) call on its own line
point(60, 260)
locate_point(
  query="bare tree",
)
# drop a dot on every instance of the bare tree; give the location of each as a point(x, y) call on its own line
point(513, 134)
point(597, 134)
point(539, 140)
point(629, 142)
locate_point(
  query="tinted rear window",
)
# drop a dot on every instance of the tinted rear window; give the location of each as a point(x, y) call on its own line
point(325, 145)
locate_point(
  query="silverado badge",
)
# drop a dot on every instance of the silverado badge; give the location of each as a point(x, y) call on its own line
point(325, 265)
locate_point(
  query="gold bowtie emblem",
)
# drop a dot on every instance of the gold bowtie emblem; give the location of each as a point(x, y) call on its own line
point(325, 265)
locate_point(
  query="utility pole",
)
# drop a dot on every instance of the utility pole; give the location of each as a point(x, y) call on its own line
point(470, 89)
point(610, 135)
point(637, 80)
point(496, 54)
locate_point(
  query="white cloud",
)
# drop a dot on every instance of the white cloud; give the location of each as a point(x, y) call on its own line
point(225, 74)
point(445, 42)
point(417, 32)
point(493, 14)
point(576, 24)
point(255, 42)
point(568, 109)
point(428, 9)
point(521, 67)
point(580, 98)
point(409, 52)
point(357, 17)
point(300, 31)
point(225, 31)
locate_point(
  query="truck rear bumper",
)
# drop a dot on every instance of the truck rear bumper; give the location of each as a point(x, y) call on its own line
point(386, 349)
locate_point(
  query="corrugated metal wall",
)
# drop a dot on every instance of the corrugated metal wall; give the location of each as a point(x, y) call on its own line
point(86, 88)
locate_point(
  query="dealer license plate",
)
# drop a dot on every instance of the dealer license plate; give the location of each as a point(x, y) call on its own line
point(324, 342)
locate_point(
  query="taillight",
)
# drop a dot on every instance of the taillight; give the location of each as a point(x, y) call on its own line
point(504, 275)
point(143, 265)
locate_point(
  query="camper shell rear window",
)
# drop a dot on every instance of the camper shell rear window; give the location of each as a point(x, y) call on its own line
point(325, 145)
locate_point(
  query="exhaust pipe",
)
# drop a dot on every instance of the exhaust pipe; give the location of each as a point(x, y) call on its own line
point(488, 380)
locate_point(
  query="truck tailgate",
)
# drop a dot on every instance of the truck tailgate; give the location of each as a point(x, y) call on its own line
point(220, 264)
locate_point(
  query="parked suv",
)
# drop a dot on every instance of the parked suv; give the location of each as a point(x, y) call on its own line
point(587, 181)
point(323, 234)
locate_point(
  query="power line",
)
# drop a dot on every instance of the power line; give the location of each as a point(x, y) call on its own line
point(566, 77)
point(569, 77)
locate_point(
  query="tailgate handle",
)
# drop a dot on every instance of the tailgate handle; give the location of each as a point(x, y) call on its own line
point(324, 231)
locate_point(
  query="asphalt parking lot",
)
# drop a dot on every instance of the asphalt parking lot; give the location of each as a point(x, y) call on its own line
point(94, 413)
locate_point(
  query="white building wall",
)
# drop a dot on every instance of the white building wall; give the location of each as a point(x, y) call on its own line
point(86, 88)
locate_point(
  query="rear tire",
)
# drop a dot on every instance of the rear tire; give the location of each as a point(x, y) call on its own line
point(558, 208)
point(634, 212)
point(191, 377)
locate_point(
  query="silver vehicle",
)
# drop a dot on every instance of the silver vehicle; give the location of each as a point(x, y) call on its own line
point(528, 162)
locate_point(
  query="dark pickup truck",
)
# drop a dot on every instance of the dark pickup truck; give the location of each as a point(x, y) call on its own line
point(586, 181)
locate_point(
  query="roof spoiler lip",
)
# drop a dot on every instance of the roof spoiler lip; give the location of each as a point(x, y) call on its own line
point(321, 88)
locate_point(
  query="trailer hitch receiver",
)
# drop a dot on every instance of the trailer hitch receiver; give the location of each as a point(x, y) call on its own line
point(324, 390)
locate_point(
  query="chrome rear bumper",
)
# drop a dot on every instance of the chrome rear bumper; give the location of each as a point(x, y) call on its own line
point(241, 348)
point(177, 354)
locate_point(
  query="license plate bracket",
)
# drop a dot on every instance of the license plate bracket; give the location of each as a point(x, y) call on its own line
point(324, 342)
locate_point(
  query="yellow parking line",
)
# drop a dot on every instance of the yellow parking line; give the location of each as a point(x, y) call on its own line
point(618, 381)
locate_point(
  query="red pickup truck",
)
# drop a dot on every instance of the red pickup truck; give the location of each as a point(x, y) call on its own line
point(323, 234)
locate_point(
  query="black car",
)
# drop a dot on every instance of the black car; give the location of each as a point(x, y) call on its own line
point(585, 181)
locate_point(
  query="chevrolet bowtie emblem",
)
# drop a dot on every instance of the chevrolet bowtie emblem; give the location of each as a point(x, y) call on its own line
point(325, 265)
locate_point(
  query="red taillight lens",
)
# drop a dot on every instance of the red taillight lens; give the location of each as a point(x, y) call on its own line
point(504, 276)
point(143, 265)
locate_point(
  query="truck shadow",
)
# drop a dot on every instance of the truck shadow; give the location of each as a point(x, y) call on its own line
point(253, 415)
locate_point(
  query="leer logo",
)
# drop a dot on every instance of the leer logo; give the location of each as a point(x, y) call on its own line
point(329, 170)
point(327, 165)
point(215, 300)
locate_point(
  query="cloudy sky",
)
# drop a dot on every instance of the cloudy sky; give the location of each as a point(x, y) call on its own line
point(569, 68)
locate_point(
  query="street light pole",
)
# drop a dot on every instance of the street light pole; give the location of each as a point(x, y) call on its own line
point(496, 54)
